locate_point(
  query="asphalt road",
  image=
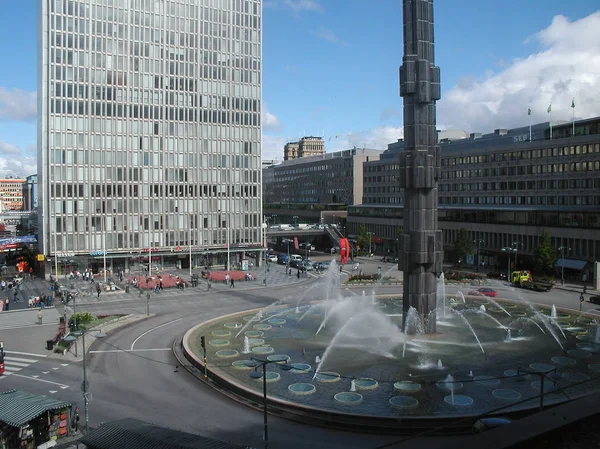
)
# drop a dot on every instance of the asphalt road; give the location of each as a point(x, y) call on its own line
point(132, 372)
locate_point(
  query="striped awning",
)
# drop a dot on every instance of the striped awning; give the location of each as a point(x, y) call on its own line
point(17, 408)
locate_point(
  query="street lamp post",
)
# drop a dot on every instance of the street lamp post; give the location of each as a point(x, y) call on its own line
point(479, 243)
point(513, 248)
point(256, 363)
point(370, 234)
point(562, 271)
point(295, 217)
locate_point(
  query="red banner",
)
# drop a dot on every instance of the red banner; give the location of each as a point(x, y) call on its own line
point(344, 250)
point(296, 243)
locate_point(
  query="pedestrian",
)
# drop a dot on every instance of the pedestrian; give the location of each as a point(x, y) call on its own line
point(298, 274)
point(7, 304)
point(232, 284)
point(160, 285)
point(208, 286)
point(98, 289)
point(15, 295)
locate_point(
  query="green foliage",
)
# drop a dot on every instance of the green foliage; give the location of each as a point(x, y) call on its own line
point(544, 255)
point(462, 245)
point(362, 239)
point(83, 318)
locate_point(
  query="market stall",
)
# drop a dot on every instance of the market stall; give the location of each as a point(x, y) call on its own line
point(31, 421)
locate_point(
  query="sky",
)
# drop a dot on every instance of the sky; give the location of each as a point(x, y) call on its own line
point(330, 69)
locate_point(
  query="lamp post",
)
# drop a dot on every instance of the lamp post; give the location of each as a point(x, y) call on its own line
point(562, 271)
point(274, 219)
point(511, 249)
point(85, 384)
point(256, 363)
point(479, 243)
point(295, 218)
point(265, 226)
point(104, 253)
point(370, 234)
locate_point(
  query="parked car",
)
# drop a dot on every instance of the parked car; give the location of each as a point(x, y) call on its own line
point(595, 299)
point(272, 258)
point(282, 259)
point(485, 291)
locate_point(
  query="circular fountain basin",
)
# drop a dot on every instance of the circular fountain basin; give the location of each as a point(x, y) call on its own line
point(389, 373)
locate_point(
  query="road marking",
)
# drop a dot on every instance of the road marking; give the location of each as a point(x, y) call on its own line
point(64, 386)
point(45, 372)
point(40, 380)
point(154, 328)
point(53, 391)
point(17, 359)
point(10, 368)
point(2, 376)
point(29, 325)
point(22, 365)
point(35, 376)
point(64, 364)
point(27, 353)
point(54, 369)
point(128, 350)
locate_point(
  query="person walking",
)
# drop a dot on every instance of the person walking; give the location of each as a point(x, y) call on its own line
point(98, 289)
point(232, 284)
point(7, 304)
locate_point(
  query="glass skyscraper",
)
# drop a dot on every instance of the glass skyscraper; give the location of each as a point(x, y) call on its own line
point(149, 130)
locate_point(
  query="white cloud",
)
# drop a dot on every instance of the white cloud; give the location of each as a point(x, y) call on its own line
point(389, 113)
point(15, 162)
point(566, 67)
point(17, 104)
point(376, 138)
point(328, 35)
point(269, 121)
point(272, 147)
point(303, 5)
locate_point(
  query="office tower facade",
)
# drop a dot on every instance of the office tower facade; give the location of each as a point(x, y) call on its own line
point(149, 131)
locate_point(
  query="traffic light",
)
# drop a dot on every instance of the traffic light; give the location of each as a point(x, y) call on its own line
point(203, 343)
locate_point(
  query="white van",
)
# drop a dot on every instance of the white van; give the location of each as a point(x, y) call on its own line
point(296, 257)
point(285, 227)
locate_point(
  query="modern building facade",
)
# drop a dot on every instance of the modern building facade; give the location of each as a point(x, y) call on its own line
point(149, 130)
point(305, 147)
point(11, 194)
point(503, 189)
point(30, 192)
point(331, 178)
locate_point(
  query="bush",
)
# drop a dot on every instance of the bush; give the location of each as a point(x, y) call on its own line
point(83, 318)
point(363, 277)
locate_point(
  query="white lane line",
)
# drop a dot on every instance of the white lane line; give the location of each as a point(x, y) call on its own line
point(27, 325)
point(40, 380)
point(2, 376)
point(17, 359)
point(128, 350)
point(154, 328)
point(26, 353)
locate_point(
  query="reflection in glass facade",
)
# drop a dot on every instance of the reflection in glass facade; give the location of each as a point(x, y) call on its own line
point(149, 130)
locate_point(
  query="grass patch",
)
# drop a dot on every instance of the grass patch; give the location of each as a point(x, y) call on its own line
point(99, 321)
point(61, 346)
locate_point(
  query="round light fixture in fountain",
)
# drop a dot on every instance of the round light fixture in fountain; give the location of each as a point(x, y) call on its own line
point(254, 334)
point(263, 350)
point(548, 386)
point(407, 386)
point(221, 333)
point(256, 342)
point(262, 327)
point(365, 384)
point(227, 353)
point(449, 385)
point(589, 347)
point(277, 321)
point(249, 318)
point(574, 376)
point(562, 360)
point(488, 381)
point(270, 376)
point(404, 401)
point(458, 400)
point(542, 367)
point(327, 377)
point(506, 394)
point(278, 358)
point(233, 325)
point(300, 367)
point(302, 389)
point(518, 376)
point(243, 364)
point(218, 342)
point(579, 353)
point(348, 397)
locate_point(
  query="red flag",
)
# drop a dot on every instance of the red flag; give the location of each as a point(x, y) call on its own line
point(296, 243)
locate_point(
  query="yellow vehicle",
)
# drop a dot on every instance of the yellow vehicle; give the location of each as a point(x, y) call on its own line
point(524, 279)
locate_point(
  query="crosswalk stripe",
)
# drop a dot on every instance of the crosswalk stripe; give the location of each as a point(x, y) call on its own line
point(5, 374)
point(28, 318)
point(22, 365)
point(17, 359)
point(38, 356)
point(11, 368)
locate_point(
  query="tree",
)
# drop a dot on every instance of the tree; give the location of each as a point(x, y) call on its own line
point(462, 245)
point(362, 239)
point(544, 255)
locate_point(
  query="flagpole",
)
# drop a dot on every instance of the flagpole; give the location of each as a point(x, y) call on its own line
point(573, 107)
point(529, 114)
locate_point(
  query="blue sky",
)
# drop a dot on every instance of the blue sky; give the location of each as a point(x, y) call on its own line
point(331, 67)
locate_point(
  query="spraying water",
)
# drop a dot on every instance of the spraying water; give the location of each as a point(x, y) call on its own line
point(529, 320)
point(462, 317)
point(441, 295)
point(498, 305)
point(246, 347)
point(553, 314)
point(353, 385)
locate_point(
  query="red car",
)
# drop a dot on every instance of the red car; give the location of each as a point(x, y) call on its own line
point(484, 291)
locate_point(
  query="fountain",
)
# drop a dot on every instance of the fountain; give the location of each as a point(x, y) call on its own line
point(553, 312)
point(246, 347)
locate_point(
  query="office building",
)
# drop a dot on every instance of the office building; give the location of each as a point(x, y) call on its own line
point(305, 147)
point(11, 194)
point(30, 192)
point(329, 178)
point(503, 189)
point(149, 130)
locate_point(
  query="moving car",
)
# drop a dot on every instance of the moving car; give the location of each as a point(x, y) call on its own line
point(272, 258)
point(485, 291)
